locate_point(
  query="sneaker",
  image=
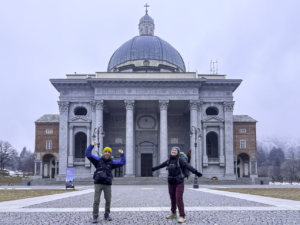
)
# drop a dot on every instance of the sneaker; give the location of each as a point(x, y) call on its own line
point(172, 216)
point(181, 220)
point(95, 219)
point(107, 217)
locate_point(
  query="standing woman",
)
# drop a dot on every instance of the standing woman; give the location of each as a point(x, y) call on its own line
point(176, 182)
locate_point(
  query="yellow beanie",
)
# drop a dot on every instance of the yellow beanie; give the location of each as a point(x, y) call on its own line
point(107, 149)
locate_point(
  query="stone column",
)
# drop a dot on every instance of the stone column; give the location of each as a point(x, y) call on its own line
point(99, 120)
point(205, 158)
point(41, 169)
point(129, 105)
point(236, 166)
point(34, 168)
point(71, 148)
point(193, 105)
point(163, 151)
point(88, 137)
point(93, 108)
point(200, 145)
point(55, 170)
point(228, 116)
point(63, 137)
point(256, 167)
point(221, 158)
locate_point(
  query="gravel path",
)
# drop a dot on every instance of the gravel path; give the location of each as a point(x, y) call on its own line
point(157, 218)
point(132, 196)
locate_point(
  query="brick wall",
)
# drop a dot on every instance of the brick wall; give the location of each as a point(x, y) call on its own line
point(41, 137)
point(249, 136)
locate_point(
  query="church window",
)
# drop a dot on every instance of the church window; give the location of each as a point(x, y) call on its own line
point(243, 144)
point(212, 111)
point(174, 140)
point(118, 141)
point(146, 63)
point(80, 111)
point(80, 145)
point(212, 147)
point(48, 144)
point(242, 130)
point(146, 28)
point(49, 131)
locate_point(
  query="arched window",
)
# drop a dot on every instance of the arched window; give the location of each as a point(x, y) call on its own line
point(80, 145)
point(80, 111)
point(212, 111)
point(212, 148)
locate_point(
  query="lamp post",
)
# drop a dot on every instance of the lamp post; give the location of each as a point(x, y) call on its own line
point(97, 132)
point(195, 130)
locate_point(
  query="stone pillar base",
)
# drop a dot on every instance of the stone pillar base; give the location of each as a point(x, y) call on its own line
point(205, 161)
point(70, 161)
point(222, 160)
point(253, 176)
point(163, 175)
point(230, 176)
point(37, 177)
point(129, 175)
point(60, 177)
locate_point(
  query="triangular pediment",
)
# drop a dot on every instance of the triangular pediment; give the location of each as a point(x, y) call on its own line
point(82, 119)
point(213, 119)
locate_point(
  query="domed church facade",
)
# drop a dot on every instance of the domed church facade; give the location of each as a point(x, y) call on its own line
point(145, 103)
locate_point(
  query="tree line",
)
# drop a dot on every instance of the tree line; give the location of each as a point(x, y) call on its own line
point(11, 160)
point(278, 163)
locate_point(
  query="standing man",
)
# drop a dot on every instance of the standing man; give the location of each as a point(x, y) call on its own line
point(103, 177)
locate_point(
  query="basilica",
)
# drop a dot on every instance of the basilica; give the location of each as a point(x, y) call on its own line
point(145, 103)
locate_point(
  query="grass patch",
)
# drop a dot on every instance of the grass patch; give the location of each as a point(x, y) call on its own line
point(8, 195)
point(4, 181)
point(283, 193)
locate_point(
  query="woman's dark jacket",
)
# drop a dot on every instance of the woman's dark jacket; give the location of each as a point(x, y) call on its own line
point(174, 170)
point(103, 164)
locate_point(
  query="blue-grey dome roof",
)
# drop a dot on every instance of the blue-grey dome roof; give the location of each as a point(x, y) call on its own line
point(146, 18)
point(146, 47)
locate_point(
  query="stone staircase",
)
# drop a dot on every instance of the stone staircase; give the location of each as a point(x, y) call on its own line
point(148, 181)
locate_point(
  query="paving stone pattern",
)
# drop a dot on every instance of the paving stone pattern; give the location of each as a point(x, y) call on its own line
point(137, 197)
point(149, 218)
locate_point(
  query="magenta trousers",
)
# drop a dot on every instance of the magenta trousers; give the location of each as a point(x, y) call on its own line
point(176, 196)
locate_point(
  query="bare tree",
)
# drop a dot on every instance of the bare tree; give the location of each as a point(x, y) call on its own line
point(290, 166)
point(7, 154)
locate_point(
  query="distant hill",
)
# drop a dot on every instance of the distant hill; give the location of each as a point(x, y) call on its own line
point(267, 143)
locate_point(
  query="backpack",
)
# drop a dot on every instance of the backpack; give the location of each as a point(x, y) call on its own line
point(184, 171)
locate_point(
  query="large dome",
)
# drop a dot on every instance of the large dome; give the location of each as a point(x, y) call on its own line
point(146, 48)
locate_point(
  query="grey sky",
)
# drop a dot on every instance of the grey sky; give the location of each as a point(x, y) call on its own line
point(257, 41)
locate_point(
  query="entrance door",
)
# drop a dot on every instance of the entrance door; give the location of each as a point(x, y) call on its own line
point(238, 172)
point(52, 172)
point(146, 165)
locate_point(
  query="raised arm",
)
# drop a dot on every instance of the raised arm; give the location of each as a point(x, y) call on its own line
point(120, 163)
point(93, 159)
point(164, 164)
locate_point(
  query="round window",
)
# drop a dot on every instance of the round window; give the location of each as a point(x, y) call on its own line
point(80, 111)
point(146, 63)
point(212, 111)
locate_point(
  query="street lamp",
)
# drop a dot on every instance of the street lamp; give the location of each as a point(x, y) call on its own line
point(195, 130)
point(97, 132)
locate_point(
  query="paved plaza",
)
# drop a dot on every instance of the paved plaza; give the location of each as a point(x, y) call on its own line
point(150, 205)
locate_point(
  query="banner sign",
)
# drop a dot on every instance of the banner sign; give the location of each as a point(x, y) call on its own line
point(70, 173)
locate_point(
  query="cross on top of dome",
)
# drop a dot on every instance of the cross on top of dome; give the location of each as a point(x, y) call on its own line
point(146, 8)
point(146, 25)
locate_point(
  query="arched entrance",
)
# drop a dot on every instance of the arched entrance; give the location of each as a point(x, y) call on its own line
point(48, 169)
point(243, 165)
point(212, 147)
point(80, 145)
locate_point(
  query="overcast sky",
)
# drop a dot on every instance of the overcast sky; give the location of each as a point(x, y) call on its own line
point(257, 41)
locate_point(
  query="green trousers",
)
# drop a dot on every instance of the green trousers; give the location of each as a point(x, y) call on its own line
point(107, 196)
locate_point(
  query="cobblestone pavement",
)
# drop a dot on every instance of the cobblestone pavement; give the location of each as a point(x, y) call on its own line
point(140, 218)
point(135, 196)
